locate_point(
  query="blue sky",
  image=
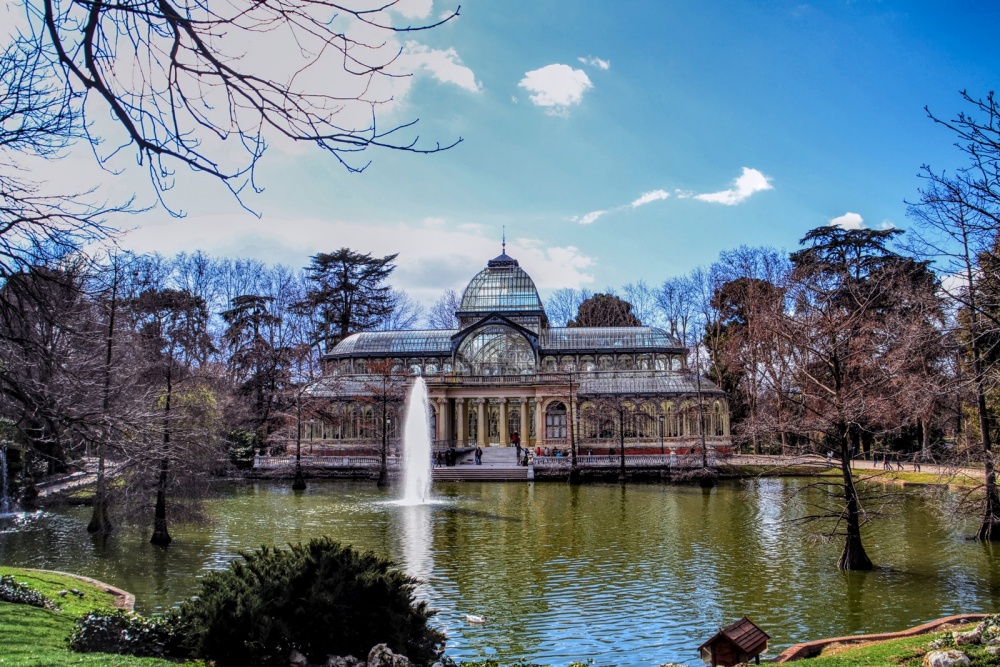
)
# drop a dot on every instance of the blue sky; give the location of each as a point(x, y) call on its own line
point(619, 141)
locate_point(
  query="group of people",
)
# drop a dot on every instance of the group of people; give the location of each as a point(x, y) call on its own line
point(889, 459)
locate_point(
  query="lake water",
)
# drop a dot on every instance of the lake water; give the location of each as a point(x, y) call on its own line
point(635, 575)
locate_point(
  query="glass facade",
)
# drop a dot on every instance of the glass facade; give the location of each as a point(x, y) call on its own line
point(497, 350)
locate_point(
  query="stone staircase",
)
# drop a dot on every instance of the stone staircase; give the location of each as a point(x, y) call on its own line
point(499, 464)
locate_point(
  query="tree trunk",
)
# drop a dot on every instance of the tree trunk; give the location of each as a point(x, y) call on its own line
point(383, 466)
point(160, 535)
point(99, 521)
point(925, 445)
point(853, 556)
point(989, 529)
point(621, 444)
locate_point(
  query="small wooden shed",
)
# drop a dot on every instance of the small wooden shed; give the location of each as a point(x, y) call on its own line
point(740, 642)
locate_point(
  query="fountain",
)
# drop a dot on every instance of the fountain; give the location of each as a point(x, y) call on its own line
point(417, 447)
point(6, 502)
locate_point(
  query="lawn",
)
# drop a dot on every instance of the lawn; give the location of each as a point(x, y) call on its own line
point(35, 637)
point(905, 652)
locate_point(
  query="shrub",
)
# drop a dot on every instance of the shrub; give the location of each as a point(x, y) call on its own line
point(320, 598)
point(11, 591)
point(126, 633)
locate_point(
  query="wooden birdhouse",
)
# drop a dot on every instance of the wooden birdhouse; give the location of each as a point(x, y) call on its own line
point(740, 642)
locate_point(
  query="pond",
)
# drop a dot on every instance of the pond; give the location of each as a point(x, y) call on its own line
point(635, 575)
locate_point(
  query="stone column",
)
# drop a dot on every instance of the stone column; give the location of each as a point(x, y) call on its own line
point(539, 423)
point(482, 427)
point(461, 421)
point(524, 422)
point(443, 419)
point(504, 436)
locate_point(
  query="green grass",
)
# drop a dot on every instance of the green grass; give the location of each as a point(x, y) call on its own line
point(34, 637)
point(905, 652)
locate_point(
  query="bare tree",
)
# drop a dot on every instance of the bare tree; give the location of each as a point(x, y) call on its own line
point(405, 313)
point(676, 300)
point(564, 304)
point(385, 389)
point(442, 314)
point(169, 326)
point(847, 332)
point(183, 80)
point(37, 123)
point(644, 302)
point(958, 219)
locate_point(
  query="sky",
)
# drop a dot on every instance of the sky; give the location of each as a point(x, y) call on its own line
point(613, 141)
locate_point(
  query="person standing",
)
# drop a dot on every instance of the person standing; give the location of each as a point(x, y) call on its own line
point(479, 455)
point(515, 439)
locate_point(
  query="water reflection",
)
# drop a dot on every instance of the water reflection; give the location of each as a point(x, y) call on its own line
point(417, 537)
point(629, 576)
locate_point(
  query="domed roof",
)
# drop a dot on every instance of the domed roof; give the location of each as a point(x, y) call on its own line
point(501, 286)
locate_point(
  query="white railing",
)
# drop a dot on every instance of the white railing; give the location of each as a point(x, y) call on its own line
point(325, 461)
point(631, 461)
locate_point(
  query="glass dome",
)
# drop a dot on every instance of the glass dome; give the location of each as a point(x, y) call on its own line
point(501, 286)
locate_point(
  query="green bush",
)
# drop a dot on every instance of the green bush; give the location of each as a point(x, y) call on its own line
point(320, 598)
point(11, 591)
point(127, 633)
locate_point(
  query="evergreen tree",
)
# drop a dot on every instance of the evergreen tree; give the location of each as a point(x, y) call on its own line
point(347, 293)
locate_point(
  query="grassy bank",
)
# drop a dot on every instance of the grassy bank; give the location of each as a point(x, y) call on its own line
point(35, 637)
point(905, 652)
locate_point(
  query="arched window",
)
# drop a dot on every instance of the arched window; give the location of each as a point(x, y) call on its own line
point(514, 419)
point(670, 426)
point(719, 419)
point(473, 424)
point(493, 419)
point(648, 425)
point(555, 421)
point(497, 350)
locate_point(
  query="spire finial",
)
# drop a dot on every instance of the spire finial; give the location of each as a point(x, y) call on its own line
point(503, 243)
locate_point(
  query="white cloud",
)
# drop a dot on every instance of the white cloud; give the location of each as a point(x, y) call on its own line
point(556, 87)
point(749, 182)
point(887, 224)
point(954, 283)
point(594, 61)
point(589, 218)
point(848, 221)
point(444, 65)
point(649, 197)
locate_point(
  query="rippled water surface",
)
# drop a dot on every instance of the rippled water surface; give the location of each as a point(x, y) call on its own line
point(639, 575)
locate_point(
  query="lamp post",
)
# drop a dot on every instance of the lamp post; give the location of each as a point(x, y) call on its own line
point(660, 419)
point(388, 428)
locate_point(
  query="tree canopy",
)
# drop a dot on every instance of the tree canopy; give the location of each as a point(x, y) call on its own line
point(605, 310)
